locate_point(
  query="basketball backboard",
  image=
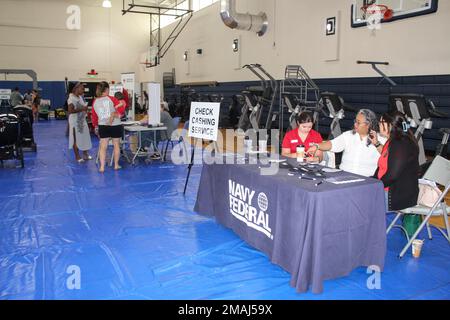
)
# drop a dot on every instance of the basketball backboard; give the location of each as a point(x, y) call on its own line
point(401, 9)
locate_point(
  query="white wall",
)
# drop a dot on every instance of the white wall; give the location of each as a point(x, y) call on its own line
point(33, 35)
point(296, 35)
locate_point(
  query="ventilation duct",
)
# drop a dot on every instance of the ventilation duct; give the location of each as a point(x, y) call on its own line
point(234, 20)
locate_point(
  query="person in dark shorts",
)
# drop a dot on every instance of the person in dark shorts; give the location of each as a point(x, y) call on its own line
point(106, 113)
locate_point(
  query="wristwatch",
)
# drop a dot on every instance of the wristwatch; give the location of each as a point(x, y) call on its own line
point(377, 144)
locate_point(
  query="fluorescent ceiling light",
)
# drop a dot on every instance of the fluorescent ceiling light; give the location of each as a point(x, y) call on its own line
point(107, 4)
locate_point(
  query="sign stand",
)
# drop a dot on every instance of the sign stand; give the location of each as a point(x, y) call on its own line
point(191, 164)
point(204, 121)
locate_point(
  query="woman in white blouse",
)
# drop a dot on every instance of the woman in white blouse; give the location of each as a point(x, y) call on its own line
point(79, 135)
point(360, 155)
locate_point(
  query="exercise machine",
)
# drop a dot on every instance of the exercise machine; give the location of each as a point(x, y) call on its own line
point(298, 92)
point(419, 112)
point(257, 99)
point(336, 107)
point(375, 65)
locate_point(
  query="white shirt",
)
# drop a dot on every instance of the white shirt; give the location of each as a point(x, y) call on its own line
point(357, 157)
point(78, 103)
point(104, 107)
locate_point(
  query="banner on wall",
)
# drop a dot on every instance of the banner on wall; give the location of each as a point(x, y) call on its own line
point(5, 94)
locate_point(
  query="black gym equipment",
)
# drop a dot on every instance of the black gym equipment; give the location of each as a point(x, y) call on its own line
point(336, 108)
point(442, 148)
point(25, 115)
point(374, 65)
point(298, 92)
point(10, 138)
point(419, 112)
point(258, 99)
point(235, 110)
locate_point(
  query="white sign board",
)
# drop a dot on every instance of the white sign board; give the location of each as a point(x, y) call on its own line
point(154, 104)
point(115, 88)
point(5, 94)
point(204, 120)
point(128, 82)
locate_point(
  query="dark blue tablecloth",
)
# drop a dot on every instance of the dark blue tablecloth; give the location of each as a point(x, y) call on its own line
point(313, 232)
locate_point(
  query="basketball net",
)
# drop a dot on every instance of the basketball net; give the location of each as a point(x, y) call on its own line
point(374, 14)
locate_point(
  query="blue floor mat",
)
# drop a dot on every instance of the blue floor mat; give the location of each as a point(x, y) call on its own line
point(131, 234)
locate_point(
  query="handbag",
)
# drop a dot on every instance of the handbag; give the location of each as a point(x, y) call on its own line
point(429, 193)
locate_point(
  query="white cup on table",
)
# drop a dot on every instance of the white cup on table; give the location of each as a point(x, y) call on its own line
point(300, 153)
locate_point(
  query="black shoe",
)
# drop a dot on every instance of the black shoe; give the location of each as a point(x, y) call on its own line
point(155, 156)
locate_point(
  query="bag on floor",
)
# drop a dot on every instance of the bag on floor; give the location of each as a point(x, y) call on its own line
point(411, 222)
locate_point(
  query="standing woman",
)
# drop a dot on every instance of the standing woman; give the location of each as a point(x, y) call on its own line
point(106, 121)
point(35, 103)
point(398, 166)
point(79, 137)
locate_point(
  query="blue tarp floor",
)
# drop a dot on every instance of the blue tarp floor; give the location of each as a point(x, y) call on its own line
point(68, 232)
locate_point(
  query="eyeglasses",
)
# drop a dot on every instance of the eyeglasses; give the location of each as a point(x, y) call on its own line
point(360, 123)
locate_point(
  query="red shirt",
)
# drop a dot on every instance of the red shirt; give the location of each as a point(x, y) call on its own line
point(292, 140)
point(383, 163)
point(126, 97)
point(94, 116)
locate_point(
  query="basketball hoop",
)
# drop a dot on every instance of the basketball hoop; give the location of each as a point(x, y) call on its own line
point(382, 9)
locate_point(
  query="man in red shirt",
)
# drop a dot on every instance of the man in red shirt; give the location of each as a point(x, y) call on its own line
point(303, 135)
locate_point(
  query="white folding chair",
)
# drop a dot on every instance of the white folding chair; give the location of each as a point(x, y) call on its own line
point(439, 172)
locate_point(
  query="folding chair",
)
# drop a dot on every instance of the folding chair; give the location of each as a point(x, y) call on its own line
point(439, 172)
point(178, 137)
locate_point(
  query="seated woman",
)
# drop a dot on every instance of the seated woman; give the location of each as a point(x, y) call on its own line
point(398, 166)
point(360, 156)
point(147, 137)
point(304, 135)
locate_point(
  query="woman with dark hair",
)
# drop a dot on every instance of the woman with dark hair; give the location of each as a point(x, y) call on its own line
point(304, 135)
point(79, 136)
point(106, 121)
point(398, 166)
point(35, 103)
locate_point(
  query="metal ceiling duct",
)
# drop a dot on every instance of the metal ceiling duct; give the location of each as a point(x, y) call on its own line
point(234, 20)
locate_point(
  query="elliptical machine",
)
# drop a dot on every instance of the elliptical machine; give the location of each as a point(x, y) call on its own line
point(419, 112)
point(336, 111)
point(257, 99)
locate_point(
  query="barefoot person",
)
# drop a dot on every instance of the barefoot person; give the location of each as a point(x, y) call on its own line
point(106, 121)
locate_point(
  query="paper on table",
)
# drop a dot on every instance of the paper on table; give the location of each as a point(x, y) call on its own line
point(277, 160)
point(330, 170)
point(130, 123)
point(344, 179)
